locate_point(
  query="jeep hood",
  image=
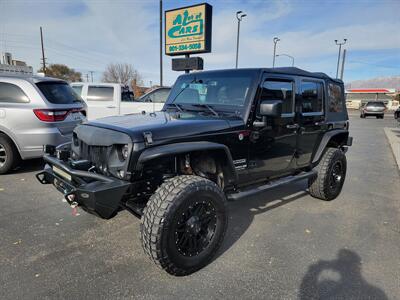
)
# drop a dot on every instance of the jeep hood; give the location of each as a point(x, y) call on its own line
point(164, 125)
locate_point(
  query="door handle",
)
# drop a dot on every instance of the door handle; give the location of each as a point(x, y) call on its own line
point(292, 126)
point(111, 106)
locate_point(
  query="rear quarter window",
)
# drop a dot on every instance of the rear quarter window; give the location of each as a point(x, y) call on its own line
point(100, 93)
point(335, 98)
point(58, 92)
point(10, 93)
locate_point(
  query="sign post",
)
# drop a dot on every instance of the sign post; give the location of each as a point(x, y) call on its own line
point(188, 31)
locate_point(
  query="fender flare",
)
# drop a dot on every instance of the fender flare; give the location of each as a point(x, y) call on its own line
point(185, 147)
point(327, 138)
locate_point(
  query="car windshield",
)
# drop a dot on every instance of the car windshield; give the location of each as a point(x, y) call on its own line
point(223, 91)
point(58, 92)
point(379, 104)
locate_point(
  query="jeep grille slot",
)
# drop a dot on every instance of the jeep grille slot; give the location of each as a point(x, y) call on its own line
point(97, 155)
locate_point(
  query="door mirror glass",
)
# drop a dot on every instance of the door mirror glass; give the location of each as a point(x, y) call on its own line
point(271, 108)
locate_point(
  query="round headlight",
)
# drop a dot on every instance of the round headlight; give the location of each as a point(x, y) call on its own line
point(125, 152)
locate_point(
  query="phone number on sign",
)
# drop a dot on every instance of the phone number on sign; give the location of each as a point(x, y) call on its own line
point(185, 47)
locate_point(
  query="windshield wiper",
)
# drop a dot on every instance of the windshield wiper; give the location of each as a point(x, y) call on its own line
point(187, 86)
point(175, 105)
point(206, 106)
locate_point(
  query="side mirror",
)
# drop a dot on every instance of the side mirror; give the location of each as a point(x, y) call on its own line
point(269, 109)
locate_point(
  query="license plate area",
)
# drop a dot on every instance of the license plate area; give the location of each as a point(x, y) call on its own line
point(77, 116)
point(62, 173)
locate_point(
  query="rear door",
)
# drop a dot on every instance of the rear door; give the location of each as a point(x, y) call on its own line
point(102, 101)
point(310, 117)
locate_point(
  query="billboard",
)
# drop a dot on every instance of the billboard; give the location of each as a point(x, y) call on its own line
point(188, 29)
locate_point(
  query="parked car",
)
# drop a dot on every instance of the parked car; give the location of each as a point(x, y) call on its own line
point(158, 96)
point(221, 135)
point(35, 111)
point(110, 99)
point(397, 114)
point(373, 108)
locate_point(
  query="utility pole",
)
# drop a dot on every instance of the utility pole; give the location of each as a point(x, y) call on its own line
point(276, 40)
point(87, 77)
point(338, 59)
point(91, 75)
point(343, 61)
point(161, 40)
point(43, 58)
point(239, 16)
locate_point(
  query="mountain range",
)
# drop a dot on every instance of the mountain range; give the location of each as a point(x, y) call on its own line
point(389, 82)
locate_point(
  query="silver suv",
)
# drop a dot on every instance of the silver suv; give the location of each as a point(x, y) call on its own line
point(35, 111)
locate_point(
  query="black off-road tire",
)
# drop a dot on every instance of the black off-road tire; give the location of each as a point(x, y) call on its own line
point(327, 184)
point(164, 222)
point(10, 152)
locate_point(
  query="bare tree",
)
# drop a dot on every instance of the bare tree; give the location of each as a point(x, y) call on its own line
point(121, 73)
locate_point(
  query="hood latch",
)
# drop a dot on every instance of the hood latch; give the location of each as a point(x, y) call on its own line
point(148, 138)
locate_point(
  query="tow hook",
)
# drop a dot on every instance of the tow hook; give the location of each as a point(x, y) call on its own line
point(74, 206)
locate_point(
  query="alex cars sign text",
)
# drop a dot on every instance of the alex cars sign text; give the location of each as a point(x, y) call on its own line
point(188, 30)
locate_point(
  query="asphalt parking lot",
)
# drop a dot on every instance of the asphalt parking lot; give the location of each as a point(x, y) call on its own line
point(282, 244)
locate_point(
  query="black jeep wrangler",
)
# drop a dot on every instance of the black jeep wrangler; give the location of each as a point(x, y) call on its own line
point(221, 135)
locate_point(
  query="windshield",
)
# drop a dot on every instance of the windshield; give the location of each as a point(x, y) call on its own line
point(379, 104)
point(58, 92)
point(224, 91)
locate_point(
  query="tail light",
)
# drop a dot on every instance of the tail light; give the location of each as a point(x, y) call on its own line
point(54, 115)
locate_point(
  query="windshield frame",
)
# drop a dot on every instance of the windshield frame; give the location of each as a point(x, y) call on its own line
point(242, 111)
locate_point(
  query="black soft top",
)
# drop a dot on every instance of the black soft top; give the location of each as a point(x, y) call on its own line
point(284, 70)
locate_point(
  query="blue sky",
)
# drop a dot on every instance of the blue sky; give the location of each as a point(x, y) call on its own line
point(87, 35)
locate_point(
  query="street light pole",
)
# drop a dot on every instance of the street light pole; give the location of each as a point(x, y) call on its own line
point(276, 40)
point(287, 55)
point(161, 40)
point(340, 50)
point(239, 16)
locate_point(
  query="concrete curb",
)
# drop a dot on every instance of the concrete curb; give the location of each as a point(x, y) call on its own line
point(393, 136)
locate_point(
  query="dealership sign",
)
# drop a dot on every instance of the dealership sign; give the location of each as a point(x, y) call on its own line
point(188, 30)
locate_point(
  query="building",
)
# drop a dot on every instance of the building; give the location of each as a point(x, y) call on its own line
point(11, 66)
point(356, 98)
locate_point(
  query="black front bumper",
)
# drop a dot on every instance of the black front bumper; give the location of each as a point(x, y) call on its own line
point(97, 194)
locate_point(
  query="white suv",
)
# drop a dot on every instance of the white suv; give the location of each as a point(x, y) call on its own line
point(35, 111)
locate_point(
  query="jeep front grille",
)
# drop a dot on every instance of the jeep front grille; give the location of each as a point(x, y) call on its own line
point(97, 155)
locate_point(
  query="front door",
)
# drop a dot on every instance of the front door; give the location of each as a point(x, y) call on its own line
point(310, 107)
point(272, 147)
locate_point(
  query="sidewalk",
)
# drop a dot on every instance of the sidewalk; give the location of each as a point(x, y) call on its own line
point(393, 136)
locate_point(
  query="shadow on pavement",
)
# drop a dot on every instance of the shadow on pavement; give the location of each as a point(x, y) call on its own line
point(340, 278)
point(30, 165)
point(243, 211)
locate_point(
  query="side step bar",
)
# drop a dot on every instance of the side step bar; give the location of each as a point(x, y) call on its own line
point(270, 185)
